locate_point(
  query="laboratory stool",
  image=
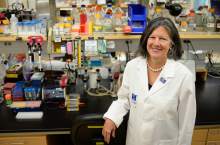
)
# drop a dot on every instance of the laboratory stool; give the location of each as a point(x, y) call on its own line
point(87, 130)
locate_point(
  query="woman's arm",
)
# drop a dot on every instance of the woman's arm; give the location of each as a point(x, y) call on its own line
point(187, 111)
point(120, 107)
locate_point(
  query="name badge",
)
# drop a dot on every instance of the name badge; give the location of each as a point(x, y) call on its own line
point(134, 98)
point(163, 80)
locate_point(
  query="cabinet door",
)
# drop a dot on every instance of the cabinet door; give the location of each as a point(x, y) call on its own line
point(199, 135)
point(214, 135)
point(24, 140)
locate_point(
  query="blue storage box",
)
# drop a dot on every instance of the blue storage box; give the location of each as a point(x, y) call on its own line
point(17, 91)
point(137, 26)
point(137, 12)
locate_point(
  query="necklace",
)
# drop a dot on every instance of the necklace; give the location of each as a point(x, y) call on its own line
point(155, 69)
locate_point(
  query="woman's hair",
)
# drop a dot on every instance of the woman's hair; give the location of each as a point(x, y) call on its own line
point(176, 51)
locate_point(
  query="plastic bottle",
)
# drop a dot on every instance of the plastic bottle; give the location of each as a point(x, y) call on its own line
point(83, 19)
point(97, 27)
point(28, 69)
point(13, 24)
point(8, 99)
point(183, 23)
point(75, 14)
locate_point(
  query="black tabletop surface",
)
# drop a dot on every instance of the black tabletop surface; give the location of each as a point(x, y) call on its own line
point(208, 111)
point(208, 102)
point(54, 119)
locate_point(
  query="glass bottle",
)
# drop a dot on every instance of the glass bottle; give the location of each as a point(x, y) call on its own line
point(217, 24)
point(97, 27)
point(117, 19)
point(204, 16)
point(210, 27)
point(157, 13)
point(183, 23)
point(107, 24)
point(199, 21)
point(75, 15)
point(191, 21)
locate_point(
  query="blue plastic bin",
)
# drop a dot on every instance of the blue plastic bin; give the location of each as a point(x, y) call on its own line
point(137, 12)
point(137, 26)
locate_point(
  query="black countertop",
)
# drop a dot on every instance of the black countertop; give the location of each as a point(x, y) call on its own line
point(54, 119)
point(58, 120)
point(208, 102)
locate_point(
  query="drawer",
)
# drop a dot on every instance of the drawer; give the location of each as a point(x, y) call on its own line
point(213, 135)
point(23, 140)
point(198, 143)
point(199, 135)
point(213, 143)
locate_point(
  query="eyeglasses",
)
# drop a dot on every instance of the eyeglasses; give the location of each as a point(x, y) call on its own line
point(161, 39)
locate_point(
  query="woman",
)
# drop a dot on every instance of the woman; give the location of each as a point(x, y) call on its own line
point(158, 91)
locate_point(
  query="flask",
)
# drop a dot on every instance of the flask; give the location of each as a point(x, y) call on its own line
point(13, 23)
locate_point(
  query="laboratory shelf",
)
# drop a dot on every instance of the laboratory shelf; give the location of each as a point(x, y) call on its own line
point(13, 38)
point(121, 36)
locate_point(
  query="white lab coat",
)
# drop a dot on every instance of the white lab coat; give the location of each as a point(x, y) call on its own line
point(163, 115)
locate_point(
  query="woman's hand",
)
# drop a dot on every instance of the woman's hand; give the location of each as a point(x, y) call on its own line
point(108, 130)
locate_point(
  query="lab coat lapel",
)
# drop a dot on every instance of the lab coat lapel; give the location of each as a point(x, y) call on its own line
point(142, 75)
point(165, 76)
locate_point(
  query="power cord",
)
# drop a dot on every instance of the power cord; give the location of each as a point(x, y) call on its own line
point(189, 44)
point(101, 91)
point(128, 42)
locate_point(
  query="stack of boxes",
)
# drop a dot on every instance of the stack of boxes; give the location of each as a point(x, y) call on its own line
point(72, 102)
point(137, 15)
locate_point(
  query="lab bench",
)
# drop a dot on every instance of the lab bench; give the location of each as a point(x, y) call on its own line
point(58, 122)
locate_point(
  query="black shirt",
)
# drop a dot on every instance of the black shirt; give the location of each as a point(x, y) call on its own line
point(149, 86)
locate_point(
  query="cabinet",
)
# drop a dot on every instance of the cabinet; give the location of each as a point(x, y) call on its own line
point(24, 140)
point(213, 137)
point(199, 136)
point(206, 136)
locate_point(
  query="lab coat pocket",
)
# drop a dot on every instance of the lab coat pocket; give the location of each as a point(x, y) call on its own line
point(167, 110)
